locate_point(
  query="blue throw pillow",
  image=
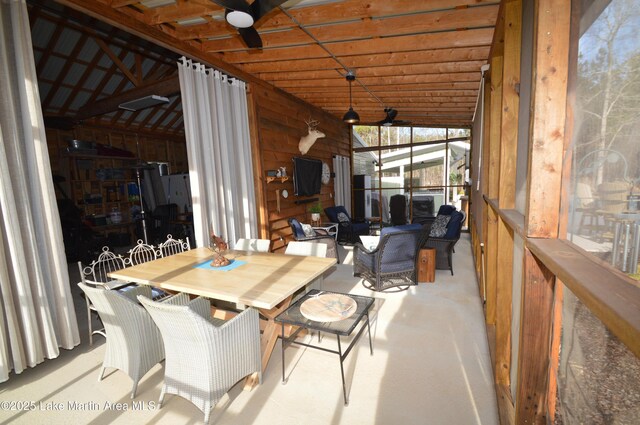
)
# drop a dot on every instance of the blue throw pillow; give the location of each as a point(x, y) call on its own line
point(453, 228)
point(446, 209)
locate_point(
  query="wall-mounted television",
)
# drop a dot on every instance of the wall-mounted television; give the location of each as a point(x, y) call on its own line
point(307, 176)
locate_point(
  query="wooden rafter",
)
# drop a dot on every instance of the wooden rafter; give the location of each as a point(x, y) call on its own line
point(123, 68)
point(166, 87)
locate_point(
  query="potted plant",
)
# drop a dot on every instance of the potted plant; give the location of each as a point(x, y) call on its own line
point(316, 210)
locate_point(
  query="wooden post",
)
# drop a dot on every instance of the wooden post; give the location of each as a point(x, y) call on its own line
point(507, 186)
point(535, 342)
point(427, 265)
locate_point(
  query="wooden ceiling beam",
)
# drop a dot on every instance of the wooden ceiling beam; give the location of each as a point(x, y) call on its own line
point(459, 54)
point(179, 11)
point(90, 32)
point(171, 108)
point(371, 82)
point(47, 53)
point(466, 101)
point(392, 70)
point(123, 3)
point(423, 23)
point(121, 66)
point(399, 88)
point(443, 40)
point(331, 13)
point(167, 87)
point(138, 28)
point(64, 71)
point(460, 94)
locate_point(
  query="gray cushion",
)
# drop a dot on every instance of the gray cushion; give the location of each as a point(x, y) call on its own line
point(439, 227)
point(308, 230)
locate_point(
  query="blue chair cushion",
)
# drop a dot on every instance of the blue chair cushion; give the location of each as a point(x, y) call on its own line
point(360, 228)
point(332, 213)
point(454, 225)
point(401, 228)
point(446, 210)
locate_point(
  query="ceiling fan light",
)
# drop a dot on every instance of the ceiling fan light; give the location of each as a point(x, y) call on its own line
point(351, 117)
point(239, 19)
point(387, 123)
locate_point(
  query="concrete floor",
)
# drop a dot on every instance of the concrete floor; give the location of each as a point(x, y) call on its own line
point(430, 365)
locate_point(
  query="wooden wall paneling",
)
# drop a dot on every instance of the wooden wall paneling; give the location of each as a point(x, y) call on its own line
point(549, 99)
point(507, 186)
point(556, 340)
point(280, 121)
point(535, 341)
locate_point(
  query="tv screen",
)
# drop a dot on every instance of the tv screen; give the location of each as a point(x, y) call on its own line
point(307, 176)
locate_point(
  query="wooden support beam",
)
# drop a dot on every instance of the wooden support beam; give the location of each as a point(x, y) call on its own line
point(121, 66)
point(504, 290)
point(491, 256)
point(535, 342)
point(548, 101)
point(507, 186)
point(166, 87)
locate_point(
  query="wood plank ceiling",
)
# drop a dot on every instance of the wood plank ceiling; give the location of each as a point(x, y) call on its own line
point(420, 57)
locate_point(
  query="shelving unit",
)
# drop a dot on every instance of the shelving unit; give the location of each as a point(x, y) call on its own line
point(278, 179)
point(99, 184)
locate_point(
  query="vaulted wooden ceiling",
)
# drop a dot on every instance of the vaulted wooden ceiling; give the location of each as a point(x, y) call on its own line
point(420, 57)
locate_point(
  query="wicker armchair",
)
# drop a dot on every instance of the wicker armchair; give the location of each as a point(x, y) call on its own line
point(444, 246)
point(348, 230)
point(321, 236)
point(392, 264)
point(134, 344)
point(205, 356)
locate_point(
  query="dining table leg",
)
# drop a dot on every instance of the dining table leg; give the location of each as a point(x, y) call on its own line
point(268, 339)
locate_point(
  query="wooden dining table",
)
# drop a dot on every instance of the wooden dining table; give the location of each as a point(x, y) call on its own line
point(265, 281)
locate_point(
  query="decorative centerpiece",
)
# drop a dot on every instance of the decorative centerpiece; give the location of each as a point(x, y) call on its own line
point(217, 245)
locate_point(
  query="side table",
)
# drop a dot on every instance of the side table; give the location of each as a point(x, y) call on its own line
point(330, 228)
point(344, 327)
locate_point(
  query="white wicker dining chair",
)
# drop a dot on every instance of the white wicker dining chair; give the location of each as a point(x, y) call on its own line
point(134, 344)
point(96, 275)
point(257, 245)
point(205, 357)
point(173, 246)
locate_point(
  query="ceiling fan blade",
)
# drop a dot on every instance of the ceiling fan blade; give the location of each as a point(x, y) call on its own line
point(251, 37)
point(259, 8)
point(240, 5)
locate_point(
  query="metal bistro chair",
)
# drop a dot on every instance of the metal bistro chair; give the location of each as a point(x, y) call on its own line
point(134, 344)
point(173, 246)
point(96, 275)
point(205, 356)
point(142, 253)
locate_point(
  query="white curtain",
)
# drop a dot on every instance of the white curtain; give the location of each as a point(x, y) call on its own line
point(36, 309)
point(216, 123)
point(342, 181)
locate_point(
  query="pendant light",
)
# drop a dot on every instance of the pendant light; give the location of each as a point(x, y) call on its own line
point(351, 117)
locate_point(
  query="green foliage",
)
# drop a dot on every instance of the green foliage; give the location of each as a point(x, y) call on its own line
point(316, 208)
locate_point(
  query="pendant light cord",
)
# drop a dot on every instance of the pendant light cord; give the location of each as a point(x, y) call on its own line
point(304, 29)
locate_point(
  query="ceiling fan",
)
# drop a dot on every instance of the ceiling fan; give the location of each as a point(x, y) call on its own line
point(390, 118)
point(243, 16)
